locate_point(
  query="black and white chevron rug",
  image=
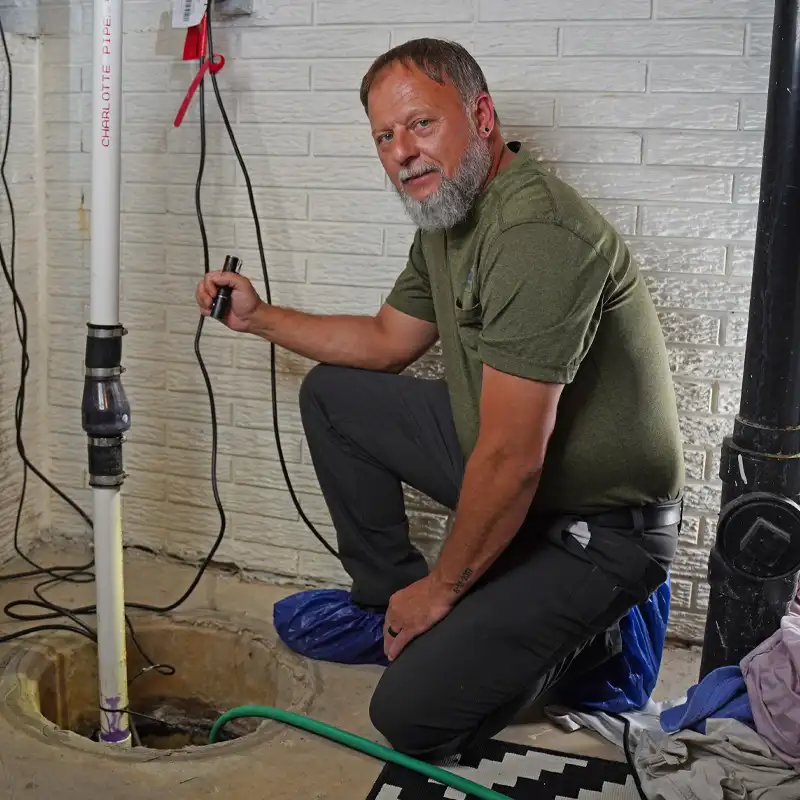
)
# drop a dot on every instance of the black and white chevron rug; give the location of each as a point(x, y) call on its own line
point(517, 771)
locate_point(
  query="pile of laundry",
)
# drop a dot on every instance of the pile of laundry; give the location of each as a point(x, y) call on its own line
point(734, 736)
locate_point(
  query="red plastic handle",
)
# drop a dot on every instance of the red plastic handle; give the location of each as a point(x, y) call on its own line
point(214, 66)
point(198, 43)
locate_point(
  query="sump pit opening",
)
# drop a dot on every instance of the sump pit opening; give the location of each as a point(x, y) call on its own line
point(214, 671)
point(170, 723)
point(218, 665)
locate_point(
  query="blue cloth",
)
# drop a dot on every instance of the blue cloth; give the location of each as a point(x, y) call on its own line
point(722, 693)
point(626, 681)
point(325, 624)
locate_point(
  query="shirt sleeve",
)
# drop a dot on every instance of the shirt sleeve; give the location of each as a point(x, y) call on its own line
point(541, 290)
point(411, 292)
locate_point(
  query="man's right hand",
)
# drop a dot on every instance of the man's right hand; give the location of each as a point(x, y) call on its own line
point(244, 300)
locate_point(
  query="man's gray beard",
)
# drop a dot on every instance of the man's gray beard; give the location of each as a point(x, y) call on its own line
point(452, 201)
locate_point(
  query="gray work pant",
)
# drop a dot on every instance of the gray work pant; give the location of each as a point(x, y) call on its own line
point(542, 611)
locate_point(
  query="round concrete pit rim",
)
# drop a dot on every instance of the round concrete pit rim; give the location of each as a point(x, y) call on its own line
point(296, 681)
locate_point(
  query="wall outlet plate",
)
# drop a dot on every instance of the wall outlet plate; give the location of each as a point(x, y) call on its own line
point(233, 8)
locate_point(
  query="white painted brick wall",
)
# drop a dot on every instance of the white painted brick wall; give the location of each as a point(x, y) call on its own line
point(23, 170)
point(654, 109)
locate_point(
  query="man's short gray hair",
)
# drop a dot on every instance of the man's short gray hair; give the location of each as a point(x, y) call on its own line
point(438, 59)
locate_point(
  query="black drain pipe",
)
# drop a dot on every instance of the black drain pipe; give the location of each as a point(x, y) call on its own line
point(753, 567)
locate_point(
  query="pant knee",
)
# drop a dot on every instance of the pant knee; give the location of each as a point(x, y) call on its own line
point(315, 387)
point(395, 718)
point(391, 719)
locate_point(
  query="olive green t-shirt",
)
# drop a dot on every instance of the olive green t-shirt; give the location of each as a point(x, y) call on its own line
point(536, 283)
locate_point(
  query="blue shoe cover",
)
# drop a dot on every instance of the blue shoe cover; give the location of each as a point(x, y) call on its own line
point(326, 625)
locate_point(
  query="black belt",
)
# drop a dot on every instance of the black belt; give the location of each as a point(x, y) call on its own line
point(657, 515)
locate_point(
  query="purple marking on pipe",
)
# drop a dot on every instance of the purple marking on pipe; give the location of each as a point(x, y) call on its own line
point(114, 734)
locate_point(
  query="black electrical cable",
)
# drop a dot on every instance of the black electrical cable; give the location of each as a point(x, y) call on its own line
point(58, 574)
point(82, 573)
point(206, 378)
point(268, 293)
point(626, 746)
point(77, 574)
point(21, 322)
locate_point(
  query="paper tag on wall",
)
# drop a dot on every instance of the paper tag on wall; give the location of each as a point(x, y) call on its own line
point(187, 13)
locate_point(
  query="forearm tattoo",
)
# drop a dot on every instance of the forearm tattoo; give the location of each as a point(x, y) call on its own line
point(462, 581)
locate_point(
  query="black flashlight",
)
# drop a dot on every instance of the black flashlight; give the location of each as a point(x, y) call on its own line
point(221, 303)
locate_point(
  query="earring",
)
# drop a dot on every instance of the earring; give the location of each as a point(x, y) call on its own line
point(486, 129)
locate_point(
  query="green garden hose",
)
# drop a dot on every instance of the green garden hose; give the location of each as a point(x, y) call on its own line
point(357, 743)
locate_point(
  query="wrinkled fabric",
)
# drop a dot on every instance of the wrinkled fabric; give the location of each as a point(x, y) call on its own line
point(729, 762)
point(722, 693)
point(612, 726)
point(772, 674)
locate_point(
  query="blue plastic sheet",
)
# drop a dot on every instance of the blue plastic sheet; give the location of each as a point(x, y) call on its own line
point(626, 681)
point(326, 625)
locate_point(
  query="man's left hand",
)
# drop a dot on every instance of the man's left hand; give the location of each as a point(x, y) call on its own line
point(412, 611)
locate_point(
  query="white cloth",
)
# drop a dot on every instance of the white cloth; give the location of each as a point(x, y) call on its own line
point(729, 762)
point(611, 726)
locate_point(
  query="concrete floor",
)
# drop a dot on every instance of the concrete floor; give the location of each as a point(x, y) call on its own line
point(293, 764)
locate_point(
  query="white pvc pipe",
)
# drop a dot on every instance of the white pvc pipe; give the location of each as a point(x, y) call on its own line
point(104, 310)
point(106, 126)
point(112, 667)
